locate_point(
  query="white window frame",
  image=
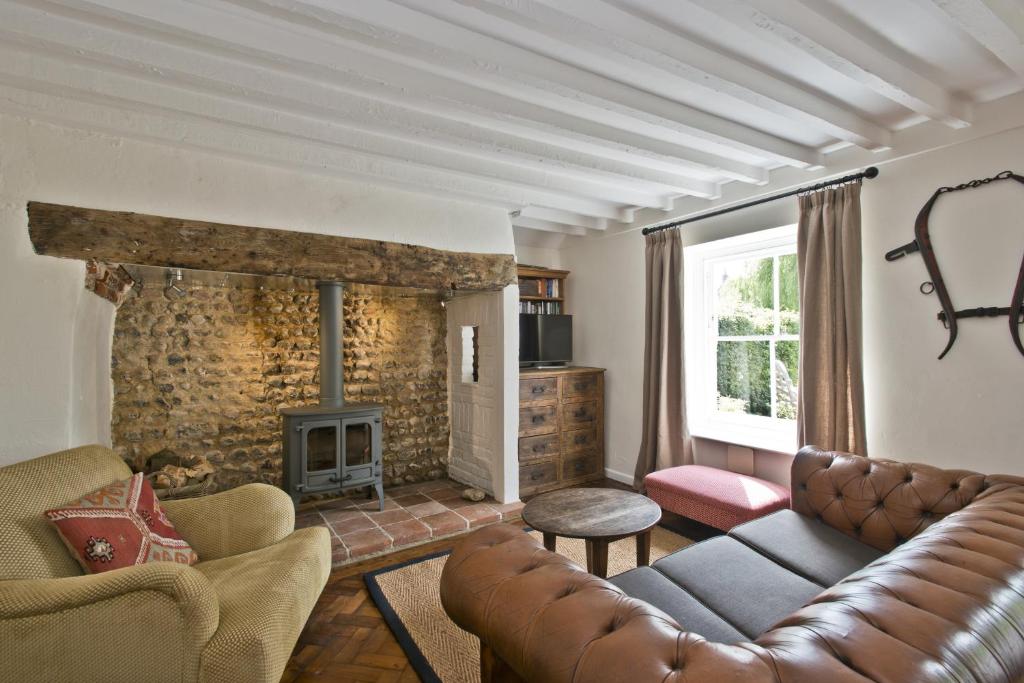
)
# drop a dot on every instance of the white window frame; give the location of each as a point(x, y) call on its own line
point(701, 325)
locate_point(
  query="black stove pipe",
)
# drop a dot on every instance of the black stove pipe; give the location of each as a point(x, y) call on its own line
point(331, 322)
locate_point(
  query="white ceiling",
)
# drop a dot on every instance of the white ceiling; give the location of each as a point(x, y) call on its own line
point(571, 114)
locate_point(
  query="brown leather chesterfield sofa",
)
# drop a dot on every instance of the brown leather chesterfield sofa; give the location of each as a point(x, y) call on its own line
point(882, 571)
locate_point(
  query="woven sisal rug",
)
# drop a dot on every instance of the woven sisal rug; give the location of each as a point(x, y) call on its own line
point(407, 596)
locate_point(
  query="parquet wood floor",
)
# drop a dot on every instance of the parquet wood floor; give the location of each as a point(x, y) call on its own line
point(346, 638)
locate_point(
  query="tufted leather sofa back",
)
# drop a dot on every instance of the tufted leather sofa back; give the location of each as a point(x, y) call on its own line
point(880, 502)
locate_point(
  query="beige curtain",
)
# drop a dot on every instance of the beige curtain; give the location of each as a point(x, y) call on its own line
point(830, 411)
point(666, 440)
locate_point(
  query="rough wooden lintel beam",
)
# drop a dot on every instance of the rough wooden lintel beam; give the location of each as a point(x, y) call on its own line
point(140, 239)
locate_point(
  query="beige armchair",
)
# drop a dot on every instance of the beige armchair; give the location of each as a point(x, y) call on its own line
point(234, 616)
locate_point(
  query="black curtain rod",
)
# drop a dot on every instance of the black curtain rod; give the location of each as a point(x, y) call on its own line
point(869, 172)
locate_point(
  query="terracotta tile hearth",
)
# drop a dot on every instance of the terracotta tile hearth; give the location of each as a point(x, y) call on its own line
point(412, 515)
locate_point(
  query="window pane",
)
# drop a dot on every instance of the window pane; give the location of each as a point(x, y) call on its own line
point(744, 297)
point(787, 377)
point(789, 296)
point(744, 377)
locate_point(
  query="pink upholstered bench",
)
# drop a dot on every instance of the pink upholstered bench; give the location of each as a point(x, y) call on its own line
point(718, 498)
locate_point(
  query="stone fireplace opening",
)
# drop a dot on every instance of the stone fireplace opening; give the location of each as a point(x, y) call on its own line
point(203, 362)
point(220, 335)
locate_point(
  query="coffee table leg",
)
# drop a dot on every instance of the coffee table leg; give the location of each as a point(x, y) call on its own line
point(549, 541)
point(643, 549)
point(597, 557)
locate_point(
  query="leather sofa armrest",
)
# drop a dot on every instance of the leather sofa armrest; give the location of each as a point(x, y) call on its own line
point(549, 620)
point(148, 622)
point(232, 522)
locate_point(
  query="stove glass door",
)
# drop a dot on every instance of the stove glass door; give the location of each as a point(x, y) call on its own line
point(361, 448)
point(321, 448)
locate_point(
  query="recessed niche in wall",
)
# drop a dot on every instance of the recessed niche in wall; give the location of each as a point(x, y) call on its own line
point(470, 351)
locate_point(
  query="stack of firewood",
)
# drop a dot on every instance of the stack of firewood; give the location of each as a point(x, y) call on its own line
point(168, 470)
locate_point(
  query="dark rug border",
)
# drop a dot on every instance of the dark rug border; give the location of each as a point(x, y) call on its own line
point(412, 651)
point(405, 640)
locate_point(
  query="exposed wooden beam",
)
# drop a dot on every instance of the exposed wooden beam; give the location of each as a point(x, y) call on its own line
point(189, 132)
point(509, 77)
point(816, 30)
point(622, 42)
point(996, 24)
point(563, 217)
point(141, 239)
point(140, 94)
point(547, 226)
point(277, 90)
point(589, 122)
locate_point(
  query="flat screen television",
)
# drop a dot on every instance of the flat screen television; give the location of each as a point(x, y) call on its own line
point(544, 339)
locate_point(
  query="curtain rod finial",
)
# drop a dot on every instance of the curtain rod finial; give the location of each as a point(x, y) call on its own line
point(871, 172)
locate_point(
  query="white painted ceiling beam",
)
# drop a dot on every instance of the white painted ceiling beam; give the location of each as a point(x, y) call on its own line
point(519, 221)
point(271, 88)
point(588, 30)
point(136, 93)
point(25, 98)
point(337, 61)
point(816, 30)
point(550, 215)
point(431, 29)
point(996, 24)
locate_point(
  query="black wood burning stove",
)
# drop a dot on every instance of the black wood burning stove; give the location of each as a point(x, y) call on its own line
point(335, 445)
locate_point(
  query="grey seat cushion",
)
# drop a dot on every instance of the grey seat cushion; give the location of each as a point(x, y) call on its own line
point(740, 585)
point(806, 546)
point(651, 586)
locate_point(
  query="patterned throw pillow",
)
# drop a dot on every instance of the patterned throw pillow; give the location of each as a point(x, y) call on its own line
point(120, 525)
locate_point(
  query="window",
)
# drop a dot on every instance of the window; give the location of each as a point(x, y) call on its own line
point(743, 339)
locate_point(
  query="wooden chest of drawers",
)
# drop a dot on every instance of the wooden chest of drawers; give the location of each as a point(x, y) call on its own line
point(561, 428)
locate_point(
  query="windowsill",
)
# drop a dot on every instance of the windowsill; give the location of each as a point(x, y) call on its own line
point(741, 435)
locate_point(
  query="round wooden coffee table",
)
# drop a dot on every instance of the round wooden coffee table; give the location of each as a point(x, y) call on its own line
point(598, 516)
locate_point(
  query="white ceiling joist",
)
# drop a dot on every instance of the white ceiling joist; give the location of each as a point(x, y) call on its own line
point(521, 221)
point(571, 115)
point(424, 37)
point(557, 216)
point(270, 88)
point(590, 30)
point(996, 24)
point(322, 56)
point(25, 99)
point(815, 30)
point(108, 87)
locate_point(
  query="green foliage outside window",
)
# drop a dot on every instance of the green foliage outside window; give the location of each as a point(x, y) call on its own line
point(746, 307)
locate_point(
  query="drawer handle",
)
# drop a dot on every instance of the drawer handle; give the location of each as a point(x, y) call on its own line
point(538, 390)
point(538, 449)
point(536, 475)
point(580, 439)
point(537, 419)
point(580, 386)
point(581, 413)
point(579, 465)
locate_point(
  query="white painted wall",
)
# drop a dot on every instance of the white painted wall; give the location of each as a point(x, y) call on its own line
point(55, 337)
point(484, 413)
point(958, 412)
point(545, 257)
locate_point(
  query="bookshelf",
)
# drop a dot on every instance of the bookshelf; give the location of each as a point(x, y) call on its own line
point(542, 290)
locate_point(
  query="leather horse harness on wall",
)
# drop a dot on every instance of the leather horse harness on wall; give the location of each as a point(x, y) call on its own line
point(950, 315)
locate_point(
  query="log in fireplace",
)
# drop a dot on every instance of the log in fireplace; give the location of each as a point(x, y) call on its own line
point(332, 446)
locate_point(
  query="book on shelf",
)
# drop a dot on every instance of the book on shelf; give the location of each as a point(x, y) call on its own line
point(540, 287)
point(541, 307)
